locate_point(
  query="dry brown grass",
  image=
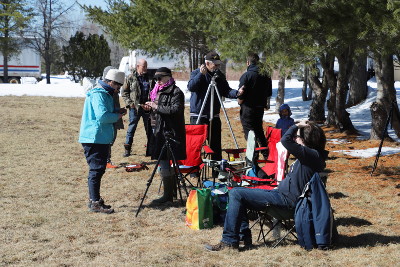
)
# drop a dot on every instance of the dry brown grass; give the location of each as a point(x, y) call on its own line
point(45, 222)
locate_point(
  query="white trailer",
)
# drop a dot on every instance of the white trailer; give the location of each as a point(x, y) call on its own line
point(26, 64)
point(153, 63)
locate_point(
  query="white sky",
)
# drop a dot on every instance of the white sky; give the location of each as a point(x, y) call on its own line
point(360, 115)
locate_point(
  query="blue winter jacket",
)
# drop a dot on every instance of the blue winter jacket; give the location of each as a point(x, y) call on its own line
point(98, 116)
point(284, 124)
point(313, 216)
point(198, 85)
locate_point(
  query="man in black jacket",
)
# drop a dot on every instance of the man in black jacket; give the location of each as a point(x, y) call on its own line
point(257, 91)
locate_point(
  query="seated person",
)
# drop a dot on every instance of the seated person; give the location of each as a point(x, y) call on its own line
point(285, 121)
point(306, 141)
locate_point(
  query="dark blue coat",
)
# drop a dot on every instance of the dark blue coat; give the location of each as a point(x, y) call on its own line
point(313, 216)
point(198, 85)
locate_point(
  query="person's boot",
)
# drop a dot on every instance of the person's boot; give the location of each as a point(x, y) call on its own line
point(127, 150)
point(110, 165)
point(97, 206)
point(168, 183)
point(101, 202)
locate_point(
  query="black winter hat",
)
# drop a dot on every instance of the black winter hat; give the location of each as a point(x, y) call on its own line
point(163, 71)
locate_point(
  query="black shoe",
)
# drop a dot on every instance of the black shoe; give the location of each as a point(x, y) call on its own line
point(101, 202)
point(221, 246)
point(95, 206)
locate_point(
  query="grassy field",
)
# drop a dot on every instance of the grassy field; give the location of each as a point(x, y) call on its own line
point(45, 221)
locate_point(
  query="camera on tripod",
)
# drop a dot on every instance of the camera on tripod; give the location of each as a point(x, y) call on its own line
point(217, 74)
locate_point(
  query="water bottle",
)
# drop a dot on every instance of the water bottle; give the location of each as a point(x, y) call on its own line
point(224, 164)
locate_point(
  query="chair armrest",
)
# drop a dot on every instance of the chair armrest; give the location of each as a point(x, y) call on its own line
point(208, 150)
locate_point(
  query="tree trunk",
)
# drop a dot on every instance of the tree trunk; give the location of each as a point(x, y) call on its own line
point(309, 93)
point(280, 95)
point(358, 82)
point(5, 68)
point(329, 81)
point(305, 83)
point(386, 95)
point(342, 117)
point(317, 107)
point(189, 52)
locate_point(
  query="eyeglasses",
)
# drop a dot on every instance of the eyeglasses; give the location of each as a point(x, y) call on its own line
point(159, 78)
point(119, 84)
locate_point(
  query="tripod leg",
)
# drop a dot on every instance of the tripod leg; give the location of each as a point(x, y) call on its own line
point(178, 175)
point(383, 138)
point(150, 180)
point(226, 116)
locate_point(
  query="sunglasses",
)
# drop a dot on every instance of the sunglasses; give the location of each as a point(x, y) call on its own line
point(159, 78)
point(120, 84)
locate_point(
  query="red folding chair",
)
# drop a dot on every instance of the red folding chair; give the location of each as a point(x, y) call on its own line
point(196, 136)
point(273, 136)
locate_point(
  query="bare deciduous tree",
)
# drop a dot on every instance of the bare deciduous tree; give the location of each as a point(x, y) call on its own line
point(49, 23)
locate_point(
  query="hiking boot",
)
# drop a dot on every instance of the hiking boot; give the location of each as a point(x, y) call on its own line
point(101, 202)
point(128, 149)
point(99, 206)
point(110, 165)
point(221, 246)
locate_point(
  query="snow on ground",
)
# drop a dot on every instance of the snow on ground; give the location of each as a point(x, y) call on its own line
point(62, 86)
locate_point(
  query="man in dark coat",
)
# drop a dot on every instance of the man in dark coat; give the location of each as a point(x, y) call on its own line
point(168, 121)
point(199, 82)
point(257, 90)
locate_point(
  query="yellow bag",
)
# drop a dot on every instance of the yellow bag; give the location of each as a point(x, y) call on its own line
point(199, 209)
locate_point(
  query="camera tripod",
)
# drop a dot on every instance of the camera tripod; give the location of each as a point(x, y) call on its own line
point(384, 133)
point(178, 177)
point(212, 87)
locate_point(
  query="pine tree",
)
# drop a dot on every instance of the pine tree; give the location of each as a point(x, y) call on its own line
point(14, 18)
point(86, 56)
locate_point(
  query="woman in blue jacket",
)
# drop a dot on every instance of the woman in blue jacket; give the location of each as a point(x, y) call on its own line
point(306, 141)
point(97, 133)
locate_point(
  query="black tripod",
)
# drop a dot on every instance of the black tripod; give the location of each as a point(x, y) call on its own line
point(389, 119)
point(178, 177)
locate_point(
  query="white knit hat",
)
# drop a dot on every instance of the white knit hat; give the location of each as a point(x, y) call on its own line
point(116, 76)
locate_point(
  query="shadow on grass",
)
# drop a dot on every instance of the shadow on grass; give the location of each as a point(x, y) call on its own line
point(367, 239)
point(337, 195)
point(352, 221)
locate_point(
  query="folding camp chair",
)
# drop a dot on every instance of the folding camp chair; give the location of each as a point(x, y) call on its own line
point(276, 219)
point(196, 135)
point(247, 176)
point(280, 219)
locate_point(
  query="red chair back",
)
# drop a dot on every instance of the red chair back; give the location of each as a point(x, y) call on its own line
point(273, 137)
point(196, 135)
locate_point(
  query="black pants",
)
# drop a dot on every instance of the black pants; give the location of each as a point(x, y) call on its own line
point(215, 135)
point(252, 119)
point(96, 157)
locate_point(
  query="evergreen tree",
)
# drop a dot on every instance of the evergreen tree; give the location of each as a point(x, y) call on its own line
point(14, 18)
point(159, 27)
point(86, 56)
